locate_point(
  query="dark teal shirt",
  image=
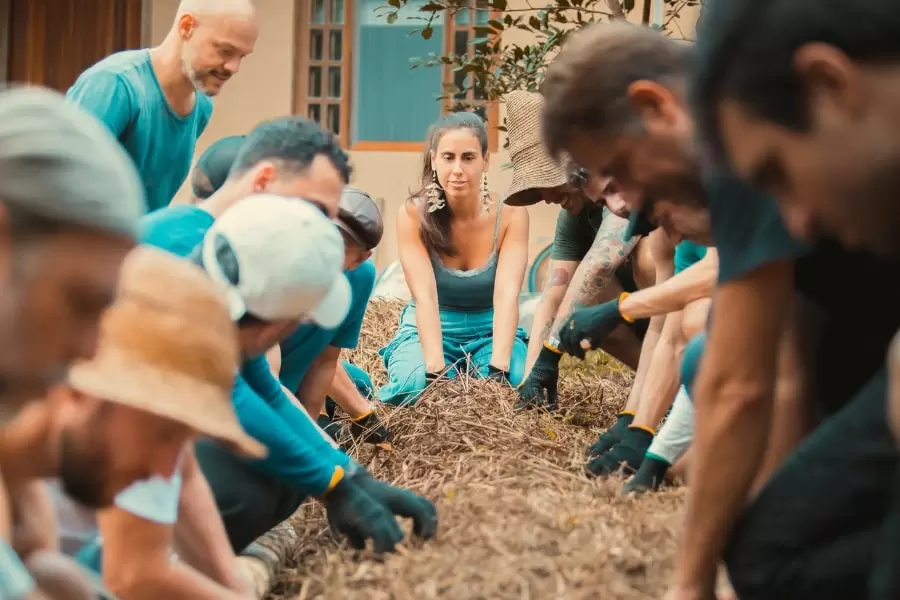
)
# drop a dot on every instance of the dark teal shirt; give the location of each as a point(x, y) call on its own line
point(747, 229)
point(309, 341)
point(299, 453)
point(688, 253)
point(122, 91)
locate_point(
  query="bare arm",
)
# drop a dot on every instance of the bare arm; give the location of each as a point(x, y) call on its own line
point(419, 275)
point(596, 270)
point(200, 536)
point(346, 395)
point(733, 398)
point(274, 357)
point(511, 264)
point(318, 380)
point(664, 260)
point(694, 283)
point(560, 273)
point(136, 563)
point(661, 380)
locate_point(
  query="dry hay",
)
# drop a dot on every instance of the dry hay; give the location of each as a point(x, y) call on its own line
point(518, 519)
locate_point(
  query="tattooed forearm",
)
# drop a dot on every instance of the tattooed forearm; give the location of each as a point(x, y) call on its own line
point(590, 284)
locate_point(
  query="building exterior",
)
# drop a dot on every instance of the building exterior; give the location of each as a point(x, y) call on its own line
point(333, 60)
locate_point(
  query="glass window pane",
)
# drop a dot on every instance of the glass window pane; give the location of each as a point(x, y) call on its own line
point(390, 102)
point(334, 118)
point(478, 91)
point(334, 82)
point(315, 113)
point(459, 82)
point(460, 43)
point(481, 111)
point(482, 12)
point(315, 82)
point(335, 44)
point(315, 44)
point(318, 12)
point(462, 16)
point(337, 12)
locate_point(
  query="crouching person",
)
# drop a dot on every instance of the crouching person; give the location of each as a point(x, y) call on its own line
point(310, 357)
point(117, 430)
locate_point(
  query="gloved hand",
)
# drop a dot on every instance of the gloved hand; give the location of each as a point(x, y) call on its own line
point(498, 375)
point(361, 508)
point(369, 428)
point(626, 455)
point(593, 324)
point(611, 436)
point(539, 388)
point(332, 428)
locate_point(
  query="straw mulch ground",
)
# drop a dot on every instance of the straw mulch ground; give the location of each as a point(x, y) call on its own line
point(518, 519)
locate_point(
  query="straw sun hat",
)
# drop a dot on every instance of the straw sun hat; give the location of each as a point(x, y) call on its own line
point(533, 167)
point(168, 346)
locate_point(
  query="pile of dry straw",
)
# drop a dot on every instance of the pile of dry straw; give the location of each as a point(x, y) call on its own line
point(518, 517)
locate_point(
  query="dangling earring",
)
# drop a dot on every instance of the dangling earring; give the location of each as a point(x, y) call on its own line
point(433, 194)
point(486, 199)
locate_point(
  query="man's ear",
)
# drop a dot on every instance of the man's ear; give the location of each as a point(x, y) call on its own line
point(829, 78)
point(654, 104)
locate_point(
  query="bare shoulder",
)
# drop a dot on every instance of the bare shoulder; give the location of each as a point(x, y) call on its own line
point(513, 215)
point(410, 213)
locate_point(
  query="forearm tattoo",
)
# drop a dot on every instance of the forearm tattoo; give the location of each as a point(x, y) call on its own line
point(607, 254)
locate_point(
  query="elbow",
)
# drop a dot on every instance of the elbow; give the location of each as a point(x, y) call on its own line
point(134, 581)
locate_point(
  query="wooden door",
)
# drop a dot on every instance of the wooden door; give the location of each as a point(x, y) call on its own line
point(48, 42)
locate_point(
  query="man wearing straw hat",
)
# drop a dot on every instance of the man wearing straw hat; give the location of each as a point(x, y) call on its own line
point(117, 430)
point(69, 203)
point(590, 262)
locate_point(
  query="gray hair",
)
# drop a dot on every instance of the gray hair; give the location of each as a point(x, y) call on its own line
point(60, 163)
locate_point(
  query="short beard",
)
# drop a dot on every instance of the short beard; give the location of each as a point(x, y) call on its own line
point(81, 474)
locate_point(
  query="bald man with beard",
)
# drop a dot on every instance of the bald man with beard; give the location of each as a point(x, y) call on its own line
point(157, 101)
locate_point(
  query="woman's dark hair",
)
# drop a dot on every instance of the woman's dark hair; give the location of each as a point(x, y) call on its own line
point(435, 229)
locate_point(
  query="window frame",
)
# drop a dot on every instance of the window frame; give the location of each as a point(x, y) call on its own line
point(300, 100)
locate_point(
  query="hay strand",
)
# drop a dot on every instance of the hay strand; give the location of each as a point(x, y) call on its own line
point(519, 520)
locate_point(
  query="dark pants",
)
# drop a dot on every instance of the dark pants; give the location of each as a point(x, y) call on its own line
point(251, 503)
point(812, 531)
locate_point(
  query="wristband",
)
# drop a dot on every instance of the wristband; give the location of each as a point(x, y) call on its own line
point(548, 345)
point(622, 296)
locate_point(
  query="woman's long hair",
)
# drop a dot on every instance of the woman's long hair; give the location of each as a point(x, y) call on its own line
point(435, 231)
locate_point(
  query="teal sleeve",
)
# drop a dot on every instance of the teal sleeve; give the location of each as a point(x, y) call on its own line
point(299, 452)
point(106, 96)
point(747, 229)
point(362, 282)
point(15, 581)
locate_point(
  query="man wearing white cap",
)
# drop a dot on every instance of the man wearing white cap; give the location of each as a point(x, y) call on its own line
point(69, 203)
point(118, 430)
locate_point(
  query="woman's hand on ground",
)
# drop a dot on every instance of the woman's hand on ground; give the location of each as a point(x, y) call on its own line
point(539, 388)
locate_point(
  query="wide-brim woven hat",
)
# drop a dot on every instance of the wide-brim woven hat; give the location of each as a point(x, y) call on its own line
point(168, 346)
point(533, 168)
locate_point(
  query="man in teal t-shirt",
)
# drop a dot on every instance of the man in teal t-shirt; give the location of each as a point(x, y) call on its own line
point(156, 102)
point(793, 539)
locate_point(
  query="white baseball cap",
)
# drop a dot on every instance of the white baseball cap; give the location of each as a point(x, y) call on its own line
point(278, 258)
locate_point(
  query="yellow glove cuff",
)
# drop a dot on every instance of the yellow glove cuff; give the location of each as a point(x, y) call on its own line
point(362, 416)
point(336, 478)
point(552, 349)
point(622, 296)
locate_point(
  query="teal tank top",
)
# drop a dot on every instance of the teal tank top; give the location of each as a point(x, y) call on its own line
point(471, 290)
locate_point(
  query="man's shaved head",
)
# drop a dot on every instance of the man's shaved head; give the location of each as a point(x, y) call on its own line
point(215, 36)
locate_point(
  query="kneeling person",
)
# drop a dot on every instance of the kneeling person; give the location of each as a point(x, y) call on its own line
point(309, 361)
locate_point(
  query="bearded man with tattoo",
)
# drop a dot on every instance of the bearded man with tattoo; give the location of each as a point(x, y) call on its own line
point(590, 261)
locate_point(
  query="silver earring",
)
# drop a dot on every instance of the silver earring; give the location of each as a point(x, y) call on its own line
point(433, 194)
point(486, 199)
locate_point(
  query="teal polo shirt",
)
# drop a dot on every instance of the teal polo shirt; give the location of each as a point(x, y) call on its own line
point(308, 341)
point(299, 452)
point(688, 253)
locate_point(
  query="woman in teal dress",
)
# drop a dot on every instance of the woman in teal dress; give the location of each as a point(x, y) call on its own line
point(464, 258)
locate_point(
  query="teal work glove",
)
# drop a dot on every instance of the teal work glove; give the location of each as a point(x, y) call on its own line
point(539, 388)
point(369, 429)
point(611, 436)
point(498, 375)
point(593, 324)
point(332, 428)
point(361, 508)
